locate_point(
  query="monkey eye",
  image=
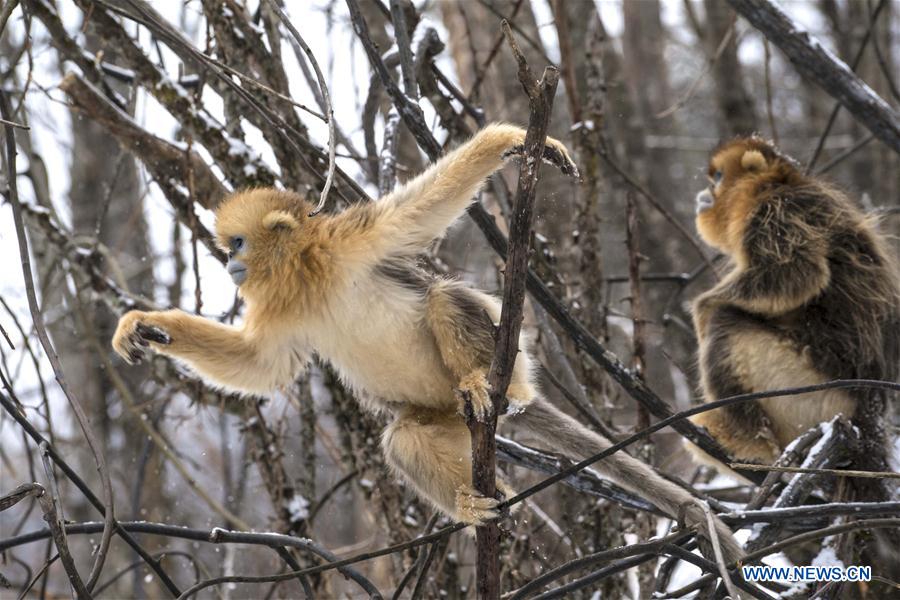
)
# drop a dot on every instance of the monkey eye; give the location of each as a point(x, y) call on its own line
point(237, 244)
point(717, 177)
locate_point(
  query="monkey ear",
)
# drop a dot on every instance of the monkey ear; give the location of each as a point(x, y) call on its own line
point(753, 160)
point(280, 219)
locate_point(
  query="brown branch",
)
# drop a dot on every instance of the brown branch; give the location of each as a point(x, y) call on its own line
point(484, 445)
point(814, 62)
point(817, 511)
point(51, 504)
point(401, 35)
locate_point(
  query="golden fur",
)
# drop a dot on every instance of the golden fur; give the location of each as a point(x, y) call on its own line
point(343, 287)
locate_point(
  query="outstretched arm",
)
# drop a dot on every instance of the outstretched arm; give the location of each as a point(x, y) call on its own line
point(223, 355)
point(784, 264)
point(409, 218)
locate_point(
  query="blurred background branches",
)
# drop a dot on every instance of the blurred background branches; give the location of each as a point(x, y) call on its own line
point(131, 120)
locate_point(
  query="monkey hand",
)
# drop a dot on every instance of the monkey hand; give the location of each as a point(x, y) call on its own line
point(555, 153)
point(474, 394)
point(136, 331)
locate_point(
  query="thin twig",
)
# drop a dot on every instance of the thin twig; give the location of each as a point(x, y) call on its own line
point(710, 63)
point(52, 506)
point(326, 96)
point(845, 154)
point(816, 511)
point(767, 75)
point(14, 124)
point(717, 550)
point(839, 472)
point(482, 71)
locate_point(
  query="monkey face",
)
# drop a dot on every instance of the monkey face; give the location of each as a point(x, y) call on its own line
point(724, 206)
point(259, 231)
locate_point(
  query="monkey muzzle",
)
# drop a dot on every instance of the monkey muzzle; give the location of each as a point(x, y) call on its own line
point(237, 270)
point(705, 201)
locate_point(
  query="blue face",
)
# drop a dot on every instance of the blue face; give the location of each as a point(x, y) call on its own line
point(236, 267)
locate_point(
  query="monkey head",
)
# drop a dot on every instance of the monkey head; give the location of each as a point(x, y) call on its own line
point(737, 169)
point(261, 230)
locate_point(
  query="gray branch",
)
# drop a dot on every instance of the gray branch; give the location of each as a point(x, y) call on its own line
point(815, 62)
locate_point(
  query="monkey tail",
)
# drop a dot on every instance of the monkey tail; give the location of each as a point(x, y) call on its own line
point(577, 442)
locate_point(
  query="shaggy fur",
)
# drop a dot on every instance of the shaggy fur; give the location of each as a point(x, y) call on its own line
point(344, 287)
point(812, 296)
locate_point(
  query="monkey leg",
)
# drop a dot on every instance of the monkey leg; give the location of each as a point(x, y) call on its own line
point(742, 354)
point(742, 429)
point(462, 321)
point(432, 451)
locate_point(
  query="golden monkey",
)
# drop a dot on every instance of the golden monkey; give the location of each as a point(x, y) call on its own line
point(345, 287)
point(812, 296)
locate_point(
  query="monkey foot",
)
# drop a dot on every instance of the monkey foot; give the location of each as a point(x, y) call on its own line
point(474, 508)
point(519, 396)
point(555, 154)
point(474, 395)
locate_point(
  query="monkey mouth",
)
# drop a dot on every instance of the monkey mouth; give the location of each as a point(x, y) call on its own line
point(238, 272)
point(704, 201)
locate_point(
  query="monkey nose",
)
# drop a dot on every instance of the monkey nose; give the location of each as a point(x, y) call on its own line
point(704, 201)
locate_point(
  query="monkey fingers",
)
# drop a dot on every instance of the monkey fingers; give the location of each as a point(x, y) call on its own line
point(133, 336)
point(474, 395)
point(149, 333)
point(140, 339)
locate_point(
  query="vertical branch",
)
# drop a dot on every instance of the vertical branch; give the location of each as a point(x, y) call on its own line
point(634, 277)
point(387, 165)
point(770, 110)
point(484, 446)
point(401, 33)
point(643, 522)
point(51, 504)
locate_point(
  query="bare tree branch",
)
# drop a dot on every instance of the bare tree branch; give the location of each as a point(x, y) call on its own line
point(822, 67)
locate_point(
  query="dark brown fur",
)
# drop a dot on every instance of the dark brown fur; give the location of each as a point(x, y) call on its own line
point(813, 296)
